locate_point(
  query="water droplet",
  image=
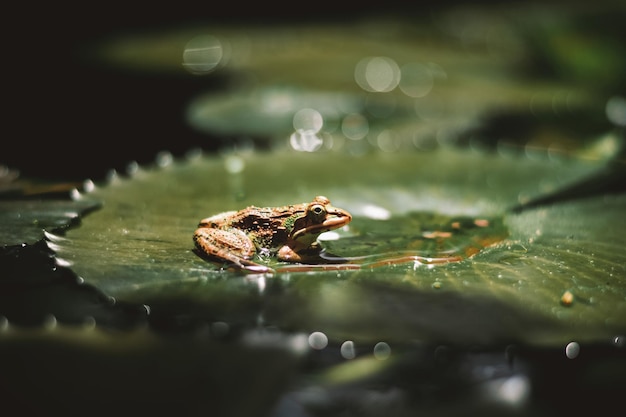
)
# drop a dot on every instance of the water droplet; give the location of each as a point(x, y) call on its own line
point(50, 322)
point(132, 168)
point(75, 194)
point(164, 159)
point(111, 176)
point(88, 186)
point(318, 340)
point(382, 351)
point(572, 350)
point(347, 350)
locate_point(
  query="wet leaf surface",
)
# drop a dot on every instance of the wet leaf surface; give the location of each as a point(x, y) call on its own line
point(24, 221)
point(506, 281)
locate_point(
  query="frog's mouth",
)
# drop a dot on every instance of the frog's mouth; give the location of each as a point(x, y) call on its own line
point(336, 219)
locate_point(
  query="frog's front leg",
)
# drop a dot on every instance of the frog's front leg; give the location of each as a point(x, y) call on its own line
point(308, 254)
point(231, 246)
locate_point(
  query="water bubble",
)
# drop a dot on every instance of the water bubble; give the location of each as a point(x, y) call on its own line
point(347, 350)
point(572, 350)
point(318, 340)
point(382, 351)
point(202, 54)
point(619, 341)
point(377, 74)
point(305, 140)
point(417, 80)
point(354, 126)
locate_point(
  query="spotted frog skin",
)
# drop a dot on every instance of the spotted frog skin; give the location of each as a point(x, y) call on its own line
point(289, 233)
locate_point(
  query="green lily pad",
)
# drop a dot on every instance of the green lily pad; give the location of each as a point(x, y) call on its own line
point(508, 285)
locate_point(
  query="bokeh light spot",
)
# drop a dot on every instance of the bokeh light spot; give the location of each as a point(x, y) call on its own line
point(354, 126)
point(417, 80)
point(234, 164)
point(308, 119)
point(318, 340)
point(202, 54)
point(616, 110)
point(305, 140)
point(377, 74)
point(387, 141)
point(376, 212)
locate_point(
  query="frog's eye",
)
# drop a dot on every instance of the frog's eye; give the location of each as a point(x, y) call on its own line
point(318, 211)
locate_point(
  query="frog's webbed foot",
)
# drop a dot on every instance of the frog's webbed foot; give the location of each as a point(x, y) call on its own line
point(235, 264)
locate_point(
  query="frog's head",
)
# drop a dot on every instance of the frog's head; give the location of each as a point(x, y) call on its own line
point(318, 217)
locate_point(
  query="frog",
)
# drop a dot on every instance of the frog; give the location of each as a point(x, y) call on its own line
point(289, 233)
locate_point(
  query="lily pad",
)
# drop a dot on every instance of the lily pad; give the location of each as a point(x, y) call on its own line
point(508, 286)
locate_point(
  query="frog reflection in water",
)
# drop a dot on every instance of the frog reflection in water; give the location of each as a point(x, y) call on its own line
point(289, 232)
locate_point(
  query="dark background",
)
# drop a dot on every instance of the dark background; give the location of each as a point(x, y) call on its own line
point(68, 117)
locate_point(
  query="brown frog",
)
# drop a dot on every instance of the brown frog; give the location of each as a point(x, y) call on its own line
point(289, 233)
